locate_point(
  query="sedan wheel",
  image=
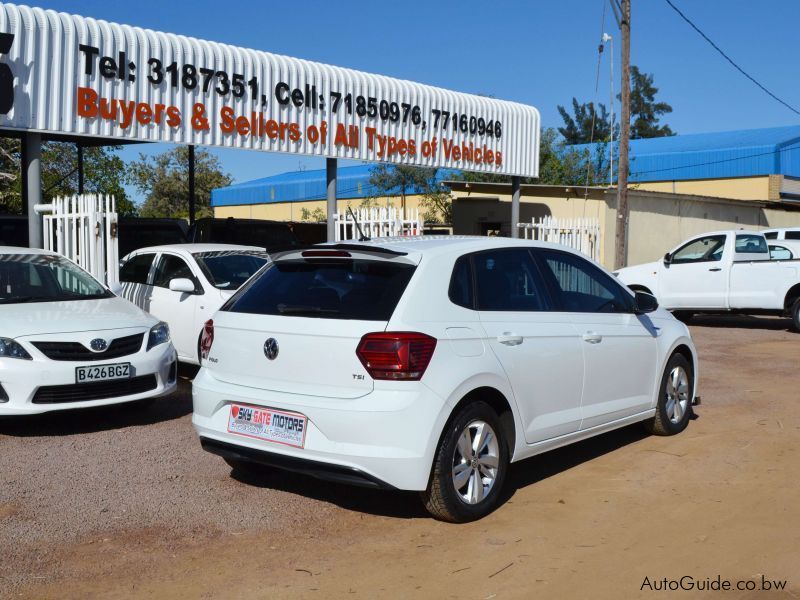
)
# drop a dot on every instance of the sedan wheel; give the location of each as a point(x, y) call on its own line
point(677, 394)
point(470, 466)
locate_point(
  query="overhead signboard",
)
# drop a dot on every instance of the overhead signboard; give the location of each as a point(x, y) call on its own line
point(79, 76)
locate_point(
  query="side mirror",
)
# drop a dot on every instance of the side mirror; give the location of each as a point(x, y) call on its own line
point(182, 284)
point(644, 303)
point(667, 258)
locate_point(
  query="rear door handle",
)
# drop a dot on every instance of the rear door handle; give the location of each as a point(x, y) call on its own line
point(509, 339)
point(592, 337)
point(715, 269)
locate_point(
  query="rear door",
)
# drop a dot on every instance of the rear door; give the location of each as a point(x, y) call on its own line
point(697, 275)
point(537, 348)
point(316, 311)
point(135, 278)
point(620, 348)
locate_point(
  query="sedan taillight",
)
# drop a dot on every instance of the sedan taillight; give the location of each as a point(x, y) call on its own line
point(396, 355)
point(206, 339)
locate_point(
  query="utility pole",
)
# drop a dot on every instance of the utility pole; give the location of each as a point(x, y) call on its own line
point(622, 11)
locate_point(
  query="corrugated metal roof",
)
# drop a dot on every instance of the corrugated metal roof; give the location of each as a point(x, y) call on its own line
point(743, 153)
point(299, 186)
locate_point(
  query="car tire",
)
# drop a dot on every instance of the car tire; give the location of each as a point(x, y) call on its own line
point(465, 485)
point(675, 395)
point(795, 314)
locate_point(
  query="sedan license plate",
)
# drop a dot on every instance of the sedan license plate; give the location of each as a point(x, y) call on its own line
point(102, 372)
point(268, 424)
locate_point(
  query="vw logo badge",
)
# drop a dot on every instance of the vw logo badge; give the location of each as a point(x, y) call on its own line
point(98, 344)
point(271, 348)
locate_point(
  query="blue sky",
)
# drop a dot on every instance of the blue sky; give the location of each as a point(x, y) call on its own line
point(536, 52)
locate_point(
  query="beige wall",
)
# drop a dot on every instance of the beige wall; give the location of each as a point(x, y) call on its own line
point(658, 222)
point(739, 188)
point(292, 211)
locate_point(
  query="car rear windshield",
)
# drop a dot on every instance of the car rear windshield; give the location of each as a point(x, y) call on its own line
point(228, 270)
point(367, 290)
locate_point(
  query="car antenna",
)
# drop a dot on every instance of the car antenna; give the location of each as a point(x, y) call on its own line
point(361, 236)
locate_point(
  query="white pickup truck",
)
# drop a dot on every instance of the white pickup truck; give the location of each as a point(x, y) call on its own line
point(721, 271)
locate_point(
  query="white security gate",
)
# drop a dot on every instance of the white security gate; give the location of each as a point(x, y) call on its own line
point(582, 234)
point(84, 229)
point(378, 222)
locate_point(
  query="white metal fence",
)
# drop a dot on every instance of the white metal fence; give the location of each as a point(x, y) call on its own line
point(378, 222)
point(84, 229)
point(582, 234)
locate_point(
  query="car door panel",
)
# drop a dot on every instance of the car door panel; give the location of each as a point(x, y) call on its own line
point(539, 351)
point(619, 348)
point(697, 275)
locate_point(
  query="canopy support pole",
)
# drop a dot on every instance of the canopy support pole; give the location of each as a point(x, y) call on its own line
point(330, 165)
point(515, 185)
point(32, 185)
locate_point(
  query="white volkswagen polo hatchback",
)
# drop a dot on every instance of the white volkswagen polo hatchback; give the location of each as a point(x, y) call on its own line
point(430, 364)
point(67, 342)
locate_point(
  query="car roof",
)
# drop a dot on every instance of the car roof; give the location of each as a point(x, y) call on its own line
point(439, 245)
point(196, 248)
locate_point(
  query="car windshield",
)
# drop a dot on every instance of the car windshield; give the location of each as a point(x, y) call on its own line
point(331, 289)
point(45, 278)
point(228, 270)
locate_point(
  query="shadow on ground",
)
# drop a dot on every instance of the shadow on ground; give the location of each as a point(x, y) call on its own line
point(407, 505)
point(742, 322)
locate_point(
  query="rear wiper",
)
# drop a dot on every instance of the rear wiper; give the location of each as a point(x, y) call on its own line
point(297, 309)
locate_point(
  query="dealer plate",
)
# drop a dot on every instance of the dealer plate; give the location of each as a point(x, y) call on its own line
point(268, 424)
point(102, 372)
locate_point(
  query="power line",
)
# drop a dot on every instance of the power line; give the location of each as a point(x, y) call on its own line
point(729, 59)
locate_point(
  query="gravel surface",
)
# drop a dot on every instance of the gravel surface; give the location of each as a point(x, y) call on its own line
point(123, 502)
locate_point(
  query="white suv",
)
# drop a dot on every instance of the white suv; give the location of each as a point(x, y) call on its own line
point(431, 363)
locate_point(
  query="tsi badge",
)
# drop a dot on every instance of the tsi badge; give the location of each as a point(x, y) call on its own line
point(271, 348)
point(98, 344)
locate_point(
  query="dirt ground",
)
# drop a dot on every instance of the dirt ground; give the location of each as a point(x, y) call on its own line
point(123, 503)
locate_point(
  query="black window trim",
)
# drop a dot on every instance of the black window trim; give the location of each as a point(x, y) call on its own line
point(554, 289)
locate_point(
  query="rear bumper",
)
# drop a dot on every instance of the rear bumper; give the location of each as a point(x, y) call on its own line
point(320, 470)
point(384, 439)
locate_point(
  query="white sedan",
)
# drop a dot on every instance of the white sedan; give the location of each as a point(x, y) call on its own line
point(67, 342)
point(184, 284)
point(430, 364)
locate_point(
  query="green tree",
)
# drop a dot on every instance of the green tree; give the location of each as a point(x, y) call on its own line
point(164, 181)
point(103, 173)
point(586, 124)
point(559, 164)
point(103, 169)
point(645, 111)
point(10, 187)
point(401, 180)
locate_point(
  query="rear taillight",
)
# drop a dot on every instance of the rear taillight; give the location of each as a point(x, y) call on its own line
point(396, 355)
point(206, 339)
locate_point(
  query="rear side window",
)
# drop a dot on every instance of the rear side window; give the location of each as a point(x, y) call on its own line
point(772, 235)
point(791, 235)
point(460, 292)
point(751, 244)
point(507, 280)
point(136, 269)
point(366, 290)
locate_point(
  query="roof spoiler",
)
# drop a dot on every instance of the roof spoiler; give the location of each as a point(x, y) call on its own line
point(360, 248)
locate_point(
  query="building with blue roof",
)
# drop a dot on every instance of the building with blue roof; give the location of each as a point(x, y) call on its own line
point(750, 164)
